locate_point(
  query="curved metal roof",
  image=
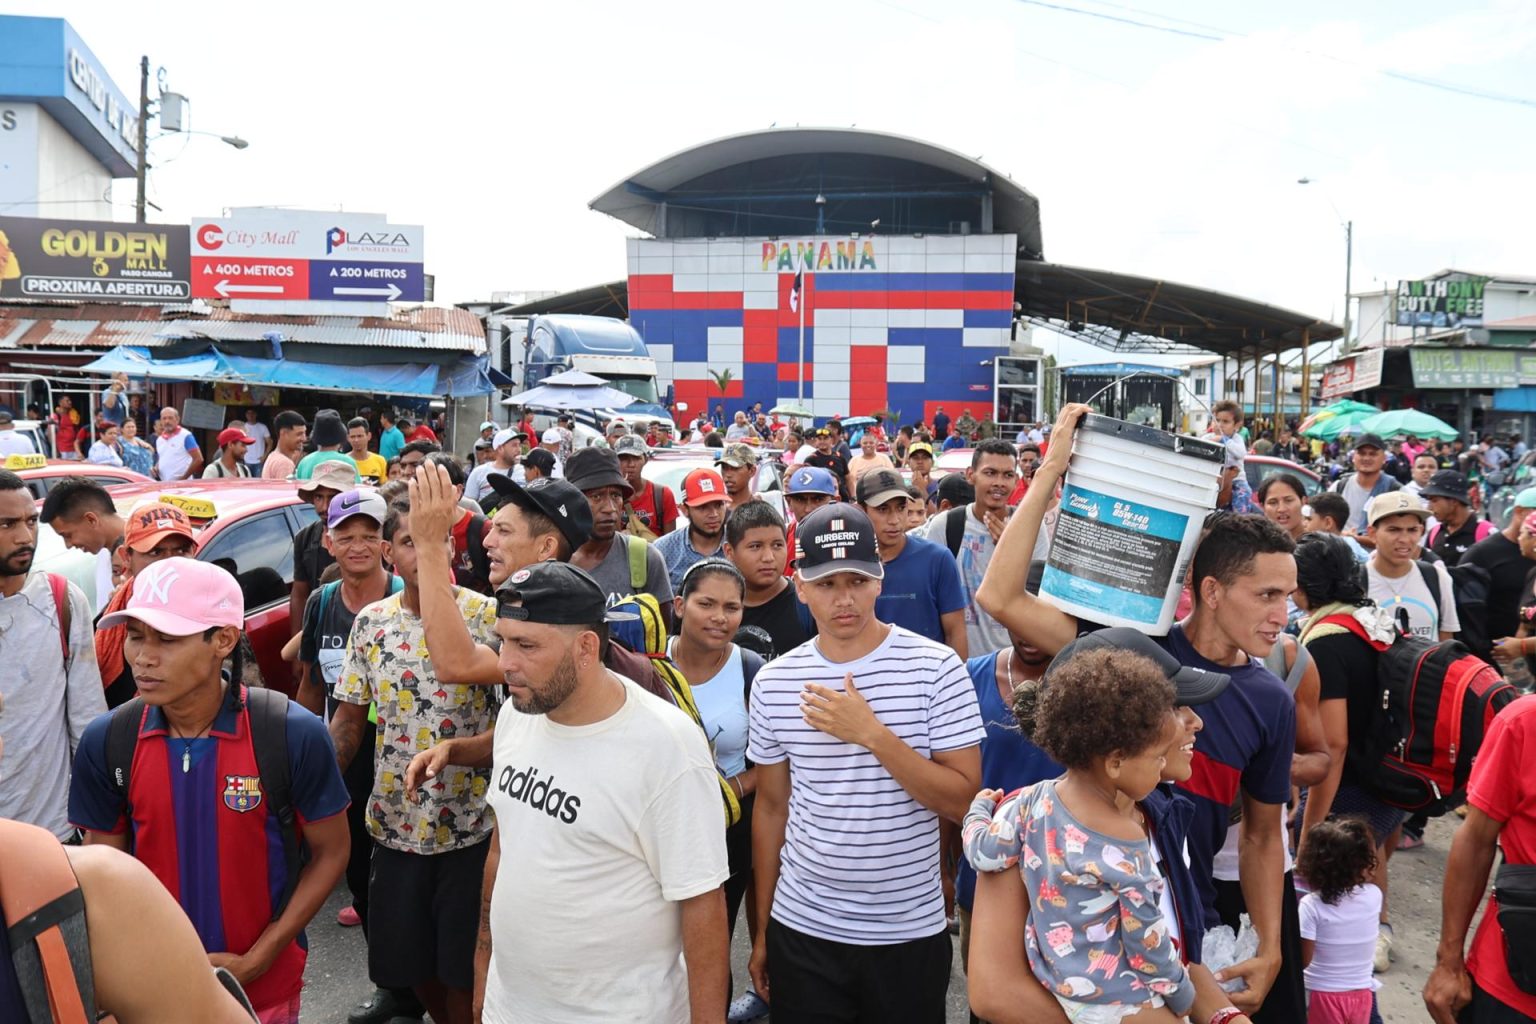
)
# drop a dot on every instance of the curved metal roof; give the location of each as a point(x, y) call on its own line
point(634, 199)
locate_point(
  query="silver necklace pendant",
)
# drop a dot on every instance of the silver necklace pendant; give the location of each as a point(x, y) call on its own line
point(186, 757)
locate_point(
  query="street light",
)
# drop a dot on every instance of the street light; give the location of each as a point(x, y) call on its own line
point(175, 102)
point(1349, 257)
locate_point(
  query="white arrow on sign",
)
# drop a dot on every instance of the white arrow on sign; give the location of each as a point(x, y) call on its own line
point(224, 288)
point(390, 292)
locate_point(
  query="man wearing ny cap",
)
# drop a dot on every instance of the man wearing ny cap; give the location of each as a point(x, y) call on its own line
point(154, 532)
point(868, 722)
point(310, 557)
point(506, 450)
point(706, 506)
point(621, 564)
point(231, 460)
point(1418, 593)
point(738, 468)
point(921, 590)
point(607, 831)
point(1369, 456)
point(198, 810)
point(428, 852)
point(51, 683)
point(652, 508)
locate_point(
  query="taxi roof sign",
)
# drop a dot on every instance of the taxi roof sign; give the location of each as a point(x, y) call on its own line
point(195, 508)
point(15, 462)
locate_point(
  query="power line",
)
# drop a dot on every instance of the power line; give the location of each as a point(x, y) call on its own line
point(1218, 35)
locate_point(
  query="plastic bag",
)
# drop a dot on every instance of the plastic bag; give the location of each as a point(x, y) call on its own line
point(1221, 949)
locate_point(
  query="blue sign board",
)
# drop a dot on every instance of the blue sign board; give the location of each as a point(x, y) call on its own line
point(365, 281)
point(43, 61)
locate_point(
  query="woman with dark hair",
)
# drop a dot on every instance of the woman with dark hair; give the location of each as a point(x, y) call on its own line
point(1329, 586)
point(1282, 496)
point(709, 607)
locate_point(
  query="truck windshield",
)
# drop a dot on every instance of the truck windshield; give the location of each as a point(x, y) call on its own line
point(642, 388)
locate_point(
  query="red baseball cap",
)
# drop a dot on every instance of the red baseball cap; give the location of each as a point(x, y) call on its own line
point(230, 435)
point(703, 486)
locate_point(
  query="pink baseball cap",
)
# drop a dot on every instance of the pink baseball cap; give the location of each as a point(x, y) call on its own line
point(181, 597)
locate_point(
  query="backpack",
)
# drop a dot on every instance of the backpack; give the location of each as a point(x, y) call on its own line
point(267, 711)
point(46, 927)
point(636, 548)
point(954, 528)
point(478, 577)
point(58, 586)
point(1436, 703)
point(1470, 585)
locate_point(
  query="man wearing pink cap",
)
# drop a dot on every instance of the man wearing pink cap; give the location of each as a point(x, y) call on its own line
point(231, 461)
point(186, 778)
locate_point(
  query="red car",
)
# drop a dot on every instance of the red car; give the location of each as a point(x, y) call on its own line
point(42, 473)
point(247, 526)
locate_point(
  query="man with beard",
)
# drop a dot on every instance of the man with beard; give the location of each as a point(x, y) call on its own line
point(51, 685)
point(621, 564)
point(706, 505)
point(634, 925)
point(428, 853)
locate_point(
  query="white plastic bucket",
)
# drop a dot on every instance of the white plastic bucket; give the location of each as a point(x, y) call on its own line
point(1132, 507)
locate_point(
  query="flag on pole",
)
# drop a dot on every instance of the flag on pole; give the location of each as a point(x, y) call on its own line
point(795, 289)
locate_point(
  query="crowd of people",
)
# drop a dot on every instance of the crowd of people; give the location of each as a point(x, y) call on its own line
point(558, 731)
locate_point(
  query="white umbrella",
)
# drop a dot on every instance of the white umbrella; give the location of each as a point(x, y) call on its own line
point(791, 409)
point(572, 390)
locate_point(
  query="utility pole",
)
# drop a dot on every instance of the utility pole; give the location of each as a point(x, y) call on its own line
point(1349, 266)
point(138, 202)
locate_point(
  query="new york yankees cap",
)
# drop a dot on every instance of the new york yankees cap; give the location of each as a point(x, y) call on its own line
point(182, 597)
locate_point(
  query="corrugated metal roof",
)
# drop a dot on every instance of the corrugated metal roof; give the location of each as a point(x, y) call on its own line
point(96, 325)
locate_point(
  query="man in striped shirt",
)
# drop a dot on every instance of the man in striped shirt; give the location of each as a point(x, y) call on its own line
point(863, 739)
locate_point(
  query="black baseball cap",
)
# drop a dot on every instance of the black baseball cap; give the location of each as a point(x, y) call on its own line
point(551, 497)
point(879, 486)
point(1191, 685)
point(1369, 441)
point(541, 459)
point(837, 538)
point(956, 488)
point(592, 468)
point(556, 594)
point(1448, 483)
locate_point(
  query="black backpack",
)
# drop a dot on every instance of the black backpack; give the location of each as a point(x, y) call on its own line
point(268, 713)
point(1436, 701)
point(1469, 588)
point(954, 527)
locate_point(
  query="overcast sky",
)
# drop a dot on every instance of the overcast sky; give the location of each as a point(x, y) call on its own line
point(1151, 153)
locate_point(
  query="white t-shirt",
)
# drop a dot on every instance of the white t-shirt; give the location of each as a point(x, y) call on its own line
point(14, 443)
point(1345, 934)
point(860, 862)
point(175, 453)
point(1427, 617)
point(603, 829)
point(479, 483)
point(983, 633)
point(254, 453)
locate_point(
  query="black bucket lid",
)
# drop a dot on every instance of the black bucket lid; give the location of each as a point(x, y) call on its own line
point(1179, 444)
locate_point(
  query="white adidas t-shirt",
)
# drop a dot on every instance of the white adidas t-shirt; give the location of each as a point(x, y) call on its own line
point(860, 862)
point(603, 829)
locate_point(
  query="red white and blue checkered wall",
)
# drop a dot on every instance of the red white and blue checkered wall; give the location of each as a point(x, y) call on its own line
point(891, 321)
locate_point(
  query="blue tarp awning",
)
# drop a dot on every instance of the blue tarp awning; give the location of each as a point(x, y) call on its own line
point(463, 377)
point(1514, 399)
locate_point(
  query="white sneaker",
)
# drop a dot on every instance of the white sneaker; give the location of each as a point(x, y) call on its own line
point(1383, 958)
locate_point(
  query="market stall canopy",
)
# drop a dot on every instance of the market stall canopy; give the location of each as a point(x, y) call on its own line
point(459, 378)
point(1408, 423)
point(1332, 428)
point(571, 390)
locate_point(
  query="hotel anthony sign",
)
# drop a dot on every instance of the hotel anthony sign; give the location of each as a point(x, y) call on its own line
point(94, 261)
point(1450, 368)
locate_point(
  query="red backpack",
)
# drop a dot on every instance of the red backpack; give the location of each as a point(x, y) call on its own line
point(1437, 700)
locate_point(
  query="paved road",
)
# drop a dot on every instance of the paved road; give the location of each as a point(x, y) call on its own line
point(337, 973)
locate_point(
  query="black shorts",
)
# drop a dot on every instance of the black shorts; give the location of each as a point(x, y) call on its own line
point(1287, 999)
point(818, 981)
point(423, 916)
